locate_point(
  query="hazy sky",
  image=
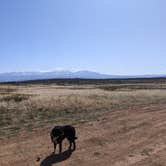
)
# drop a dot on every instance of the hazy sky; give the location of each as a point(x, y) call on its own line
point(107, 36)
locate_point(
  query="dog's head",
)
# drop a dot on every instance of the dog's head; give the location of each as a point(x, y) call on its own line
point(56, 135)
point(54, 140)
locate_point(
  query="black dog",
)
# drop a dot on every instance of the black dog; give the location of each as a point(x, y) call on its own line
point(59, 133)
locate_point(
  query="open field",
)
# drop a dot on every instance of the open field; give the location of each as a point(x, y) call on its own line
point(118, 124)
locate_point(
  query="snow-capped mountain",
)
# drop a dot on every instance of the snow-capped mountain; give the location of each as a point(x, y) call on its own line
point(24, 76)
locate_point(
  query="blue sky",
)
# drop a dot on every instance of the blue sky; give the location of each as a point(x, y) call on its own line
point(107, 36)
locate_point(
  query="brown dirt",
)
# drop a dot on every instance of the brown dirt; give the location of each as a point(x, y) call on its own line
point(132, 137)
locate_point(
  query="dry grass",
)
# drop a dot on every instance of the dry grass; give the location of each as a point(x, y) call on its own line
point(31, 106)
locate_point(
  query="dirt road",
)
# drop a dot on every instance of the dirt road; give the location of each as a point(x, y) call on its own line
point(132, 137)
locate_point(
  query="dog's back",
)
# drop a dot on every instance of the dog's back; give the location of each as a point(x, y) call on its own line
point(69, 132)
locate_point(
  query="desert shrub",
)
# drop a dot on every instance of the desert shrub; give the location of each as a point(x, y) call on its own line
point(15, 97)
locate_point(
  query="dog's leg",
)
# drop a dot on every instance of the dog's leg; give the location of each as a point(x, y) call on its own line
point(54, 148)
point(74, 145)
point(70, 144)
point(60, 147)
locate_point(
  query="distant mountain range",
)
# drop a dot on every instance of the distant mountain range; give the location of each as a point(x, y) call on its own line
point(25, 76)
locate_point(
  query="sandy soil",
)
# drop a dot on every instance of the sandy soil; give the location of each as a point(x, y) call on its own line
point(133, 137)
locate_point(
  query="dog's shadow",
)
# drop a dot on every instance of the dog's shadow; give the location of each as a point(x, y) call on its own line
point(56, 158)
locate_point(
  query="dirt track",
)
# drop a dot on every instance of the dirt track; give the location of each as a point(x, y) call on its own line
point(133, 137)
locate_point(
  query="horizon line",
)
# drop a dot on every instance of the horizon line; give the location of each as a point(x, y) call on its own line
point(76, 70)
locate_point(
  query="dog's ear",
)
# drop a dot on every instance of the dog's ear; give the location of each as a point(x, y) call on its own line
point(54, 140)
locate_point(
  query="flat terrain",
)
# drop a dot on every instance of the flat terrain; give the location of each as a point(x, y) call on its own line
point(117, 125)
